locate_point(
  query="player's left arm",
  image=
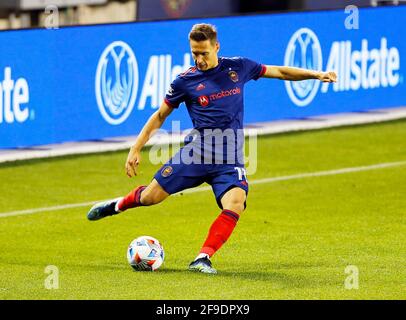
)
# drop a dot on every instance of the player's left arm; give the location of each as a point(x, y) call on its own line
point(298, 74)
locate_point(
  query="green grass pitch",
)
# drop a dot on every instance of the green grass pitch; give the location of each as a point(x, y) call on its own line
point(294, 241)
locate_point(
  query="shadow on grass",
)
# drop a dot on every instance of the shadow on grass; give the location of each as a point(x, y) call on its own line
point(285, 275)
point(292, 280)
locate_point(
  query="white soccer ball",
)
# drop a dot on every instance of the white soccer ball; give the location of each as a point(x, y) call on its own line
point(145, 254)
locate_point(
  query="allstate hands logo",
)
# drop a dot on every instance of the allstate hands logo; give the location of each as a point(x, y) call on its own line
point(116, 82)
point(303, 51)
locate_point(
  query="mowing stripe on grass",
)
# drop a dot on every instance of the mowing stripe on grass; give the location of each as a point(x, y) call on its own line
point(37, 210)
point(206, 188)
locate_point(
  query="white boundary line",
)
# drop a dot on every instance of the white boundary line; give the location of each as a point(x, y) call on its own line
point(207, 188)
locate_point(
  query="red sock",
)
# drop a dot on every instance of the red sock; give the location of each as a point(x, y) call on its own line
point(220, 231)
point(131, 200)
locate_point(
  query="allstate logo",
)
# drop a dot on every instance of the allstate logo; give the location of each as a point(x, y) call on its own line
point(116, 82)
point(303, 51)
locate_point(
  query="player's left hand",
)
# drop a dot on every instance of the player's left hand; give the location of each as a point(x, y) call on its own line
point(330, 76)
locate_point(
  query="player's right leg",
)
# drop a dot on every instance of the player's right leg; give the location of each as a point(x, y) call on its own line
point(140, 196)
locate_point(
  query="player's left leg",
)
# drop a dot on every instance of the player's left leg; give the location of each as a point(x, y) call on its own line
point(234, 200)
point(231, 188)
point(233, 203)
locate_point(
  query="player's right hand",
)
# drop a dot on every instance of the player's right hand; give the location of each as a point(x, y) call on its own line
point(133, 160)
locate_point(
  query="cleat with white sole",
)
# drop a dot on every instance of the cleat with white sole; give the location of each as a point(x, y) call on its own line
point(202, 265)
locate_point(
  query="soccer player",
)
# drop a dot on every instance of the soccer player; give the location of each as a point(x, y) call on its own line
point(213, 93)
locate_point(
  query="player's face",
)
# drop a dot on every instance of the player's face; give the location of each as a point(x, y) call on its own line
point(204, 54)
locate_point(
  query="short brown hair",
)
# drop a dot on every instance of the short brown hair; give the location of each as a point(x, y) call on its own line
point(202, 32)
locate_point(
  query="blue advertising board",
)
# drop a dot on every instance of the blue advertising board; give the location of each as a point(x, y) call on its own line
point(95, 82)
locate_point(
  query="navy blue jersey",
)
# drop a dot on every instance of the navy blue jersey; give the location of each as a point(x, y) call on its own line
point(215, 102)
point(214, 152)
point(214, 98)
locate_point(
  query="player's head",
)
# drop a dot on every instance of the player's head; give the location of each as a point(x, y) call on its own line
point(204, 46)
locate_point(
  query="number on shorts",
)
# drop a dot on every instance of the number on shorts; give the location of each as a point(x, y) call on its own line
point(242, 173)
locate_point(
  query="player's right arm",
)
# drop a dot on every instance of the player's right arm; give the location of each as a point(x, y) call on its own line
point(154, 123)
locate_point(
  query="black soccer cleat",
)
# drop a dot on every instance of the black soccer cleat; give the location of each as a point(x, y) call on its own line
point(103, 209)
point(202, 265)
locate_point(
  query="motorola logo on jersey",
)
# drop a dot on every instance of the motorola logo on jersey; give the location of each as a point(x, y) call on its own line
point(116, 82)
point(303, 51)
point(203, 101)
point(358, 66)
point(225, 93)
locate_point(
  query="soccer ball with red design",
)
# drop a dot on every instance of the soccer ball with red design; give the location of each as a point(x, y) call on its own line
point(145, 254)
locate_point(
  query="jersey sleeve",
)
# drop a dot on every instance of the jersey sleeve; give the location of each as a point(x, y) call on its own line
point(176, 94)
point(252, 70)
